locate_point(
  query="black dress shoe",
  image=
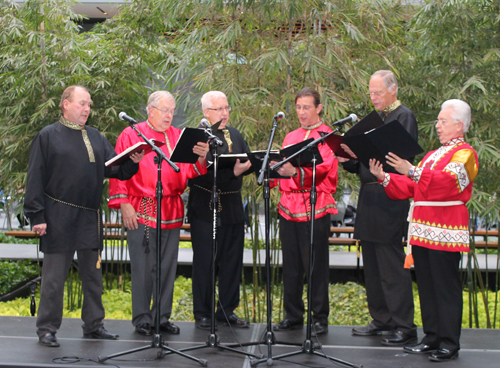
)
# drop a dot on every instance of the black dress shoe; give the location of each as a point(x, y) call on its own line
point(143, 329)
point(319, 328)
point(443, 355)
point(170, 328)
point(205, 323)
point(102, 334)
point(234, 320)
point(419, 349)
point(399, 339)
point(49, 339)
point(371, 330)
point(287, 325)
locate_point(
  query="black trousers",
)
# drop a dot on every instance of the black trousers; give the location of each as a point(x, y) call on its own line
point(295, 245)
point(388, 286)
point(54, 272)
point(228, 263)
point(441, 298)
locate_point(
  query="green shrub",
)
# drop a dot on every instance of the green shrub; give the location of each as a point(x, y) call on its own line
point(14, 273)
point(4, 239)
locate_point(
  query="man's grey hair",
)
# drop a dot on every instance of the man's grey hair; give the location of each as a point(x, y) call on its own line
point(461, 112)
point(389, 79)
point(206, 99)
point(156, 96)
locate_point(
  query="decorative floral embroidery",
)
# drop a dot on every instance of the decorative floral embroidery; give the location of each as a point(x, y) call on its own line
point(440, 235)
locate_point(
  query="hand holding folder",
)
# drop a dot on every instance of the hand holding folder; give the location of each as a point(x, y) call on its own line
point(183, 151)
point(138, 147)
point(372, 139)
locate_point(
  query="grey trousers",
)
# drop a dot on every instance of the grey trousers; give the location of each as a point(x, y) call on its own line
point(54, 272)
point(143, 268)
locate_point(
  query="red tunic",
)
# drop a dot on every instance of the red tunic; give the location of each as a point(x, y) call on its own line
point(291, 205)
point(444, 175)
point(140, 189)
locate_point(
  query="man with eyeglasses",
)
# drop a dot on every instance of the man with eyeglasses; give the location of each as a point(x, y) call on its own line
point(230, 223)
point(441, 185)
point(380, 225)
point(136, 198)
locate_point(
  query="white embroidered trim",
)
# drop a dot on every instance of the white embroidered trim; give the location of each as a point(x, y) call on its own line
point(387, 179)
point(440, 235)
point(461, 173)
point(417, 174)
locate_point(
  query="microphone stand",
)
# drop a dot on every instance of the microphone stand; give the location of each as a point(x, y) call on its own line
point(270, 338)
point(264, 173)
point(213, 340)
point(308, 346)
point(157, 337)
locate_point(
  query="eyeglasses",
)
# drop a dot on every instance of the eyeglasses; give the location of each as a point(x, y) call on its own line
point(377, 93)
point(171, 112)
point(220, 109)
point(440, 121)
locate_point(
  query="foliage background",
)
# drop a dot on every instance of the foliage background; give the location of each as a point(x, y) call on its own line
point(259, 53)
point(348, 305)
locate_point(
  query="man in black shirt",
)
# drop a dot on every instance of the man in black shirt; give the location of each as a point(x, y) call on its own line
point(230, 223)
point(63, 202)
point(380, 225)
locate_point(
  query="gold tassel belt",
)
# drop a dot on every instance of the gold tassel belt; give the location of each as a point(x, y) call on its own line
point(218, 190)
point(219, 207)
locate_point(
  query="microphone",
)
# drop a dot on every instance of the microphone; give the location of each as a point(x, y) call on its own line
point(205, 124)
point(124, 116)
point(208, 130)
point(279, 116)
point(350, 119)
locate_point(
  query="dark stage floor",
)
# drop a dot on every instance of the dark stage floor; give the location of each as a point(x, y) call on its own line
point(19, 348)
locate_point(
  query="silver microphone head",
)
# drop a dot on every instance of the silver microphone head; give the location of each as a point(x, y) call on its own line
point(280, 115)
point(205, 124)
point(353, 117)
point(121, 115)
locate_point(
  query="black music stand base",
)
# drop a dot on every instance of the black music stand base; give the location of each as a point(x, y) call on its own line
point(157, 343)
point(214, 342)
point(308, 347)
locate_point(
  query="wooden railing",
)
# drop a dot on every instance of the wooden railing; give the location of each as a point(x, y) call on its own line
point(333, 240)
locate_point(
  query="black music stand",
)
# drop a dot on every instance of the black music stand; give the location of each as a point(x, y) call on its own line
point(308, 346)
point(157, 341)
point(264, 174)
point(213, 340)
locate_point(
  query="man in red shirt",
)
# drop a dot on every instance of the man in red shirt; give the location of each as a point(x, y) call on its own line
point(441, 185)
point(136, 198)
point(295, 214)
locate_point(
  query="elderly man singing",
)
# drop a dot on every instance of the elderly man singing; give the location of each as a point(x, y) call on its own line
point(441, 185)
point(136, 198)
